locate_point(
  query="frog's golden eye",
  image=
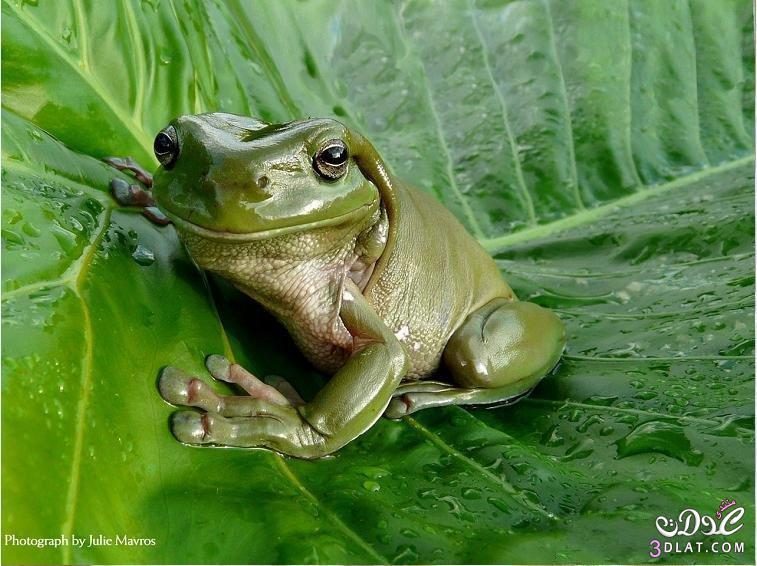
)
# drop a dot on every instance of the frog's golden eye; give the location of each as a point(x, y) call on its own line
point(330, 162)
point(166, 147)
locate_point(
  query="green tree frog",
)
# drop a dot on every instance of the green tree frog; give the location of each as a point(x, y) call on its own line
point(378, 284)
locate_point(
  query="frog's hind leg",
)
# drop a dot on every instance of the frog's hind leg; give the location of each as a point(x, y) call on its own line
point(426, 394)
point(497, 356)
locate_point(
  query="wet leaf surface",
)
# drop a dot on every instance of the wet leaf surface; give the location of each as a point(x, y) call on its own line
point(601, 151)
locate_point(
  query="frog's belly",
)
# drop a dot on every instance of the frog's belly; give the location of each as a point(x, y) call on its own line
point(326, 351)
point(424, 347)
point(422, 325)
point(423, 339)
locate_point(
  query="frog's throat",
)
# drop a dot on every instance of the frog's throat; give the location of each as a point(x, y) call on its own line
point(218, 235)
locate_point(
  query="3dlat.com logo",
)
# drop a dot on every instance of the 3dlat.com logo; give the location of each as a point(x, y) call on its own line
point(725, 523)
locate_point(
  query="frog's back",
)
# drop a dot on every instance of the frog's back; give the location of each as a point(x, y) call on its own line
point(434, 276)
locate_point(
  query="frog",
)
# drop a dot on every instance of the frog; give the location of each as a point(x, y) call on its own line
point(381, 288)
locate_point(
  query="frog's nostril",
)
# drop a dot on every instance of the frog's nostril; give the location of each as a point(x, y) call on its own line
point(262, 182)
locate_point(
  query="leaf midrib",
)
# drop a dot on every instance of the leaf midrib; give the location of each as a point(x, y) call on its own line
point(85, 381)
point(593, 214)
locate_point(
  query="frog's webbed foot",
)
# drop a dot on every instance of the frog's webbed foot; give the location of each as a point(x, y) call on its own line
point(265, 418)
point(127, 194)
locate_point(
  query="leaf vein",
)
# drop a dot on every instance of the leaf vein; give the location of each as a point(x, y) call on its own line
point(511, 140)
point(663, 314)
point(654, 359)
point(134, 128)
point(629, 81)
point(506, 265)
point(643, 412)
point(141, 70)
point(696, 87)
point(507, 486)
point(287, 471)
point(262, 56)
point(569, 124)
point(469, 216)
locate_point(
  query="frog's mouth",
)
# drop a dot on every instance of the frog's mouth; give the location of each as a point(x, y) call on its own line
point(218, 235)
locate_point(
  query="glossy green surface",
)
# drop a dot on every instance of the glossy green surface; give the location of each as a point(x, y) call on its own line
point(235, 174)
point(643, 242)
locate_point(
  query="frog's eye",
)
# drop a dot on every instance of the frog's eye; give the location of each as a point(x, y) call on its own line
point(166, 147)
point(331, 160)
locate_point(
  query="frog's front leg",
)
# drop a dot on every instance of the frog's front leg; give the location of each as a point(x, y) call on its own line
point(353, 399)
point(129, 194)
point(264, 418)
point(497, 356)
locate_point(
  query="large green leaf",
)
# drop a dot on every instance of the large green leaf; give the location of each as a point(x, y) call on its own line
point(601, 150)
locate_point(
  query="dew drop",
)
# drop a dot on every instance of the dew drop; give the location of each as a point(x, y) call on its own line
point(31, 230)
point(34, 134)
point(552, 437)
point(499, 504)
point(143, 256)
point(662, 437)
point(471, 493)
point(66, 240)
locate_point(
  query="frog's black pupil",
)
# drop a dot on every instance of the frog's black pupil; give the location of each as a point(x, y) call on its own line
point(334, 155)
point(163, 143)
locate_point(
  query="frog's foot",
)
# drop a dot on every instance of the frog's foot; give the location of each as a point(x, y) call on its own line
point(412, 397)
point(265, 418)
point(127, 194)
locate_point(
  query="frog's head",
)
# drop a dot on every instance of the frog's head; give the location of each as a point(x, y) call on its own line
point(231, 177)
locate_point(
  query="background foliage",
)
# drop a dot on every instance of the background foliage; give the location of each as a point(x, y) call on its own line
point(601, 150)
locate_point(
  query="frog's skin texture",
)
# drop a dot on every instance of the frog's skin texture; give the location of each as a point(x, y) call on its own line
point(378, 284)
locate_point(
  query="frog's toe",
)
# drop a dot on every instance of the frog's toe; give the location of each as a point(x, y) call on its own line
point(128, 164)
point(285, 388)
point(282, 433)
point(130, 195)
point(180, 389)
point(190, 427)
point(224, 370)
point(173, 386)
point(398, 408)
point(154, 215)
point(219, 367)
